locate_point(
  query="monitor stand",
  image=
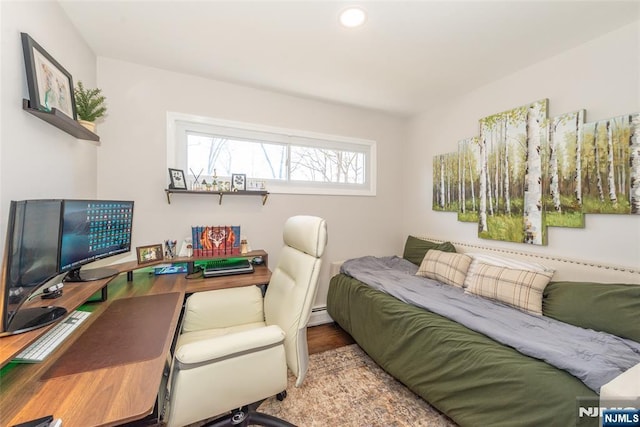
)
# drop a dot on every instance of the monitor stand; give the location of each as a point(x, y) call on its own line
point(90, 275)
point(27, 319)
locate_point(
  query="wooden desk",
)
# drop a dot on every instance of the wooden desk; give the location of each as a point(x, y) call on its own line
point(111, 395)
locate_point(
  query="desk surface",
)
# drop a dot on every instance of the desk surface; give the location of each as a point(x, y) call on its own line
point(117, 393)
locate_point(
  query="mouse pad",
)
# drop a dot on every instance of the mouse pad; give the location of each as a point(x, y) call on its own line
point(129, 330)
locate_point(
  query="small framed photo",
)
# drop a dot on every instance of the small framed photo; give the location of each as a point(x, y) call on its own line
point(50, 85)
point(255, 184)
point(238, 182)
point(151, 253)
point(178, 182)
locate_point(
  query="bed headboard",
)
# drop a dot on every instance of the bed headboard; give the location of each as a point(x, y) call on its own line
point(566, 268)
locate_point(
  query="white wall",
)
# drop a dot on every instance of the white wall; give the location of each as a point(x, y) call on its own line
point(601, 76)
point(132, 163)
point(37, 160)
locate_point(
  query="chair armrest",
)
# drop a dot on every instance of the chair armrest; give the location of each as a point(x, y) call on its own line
point(212, 350)
point(223, 308)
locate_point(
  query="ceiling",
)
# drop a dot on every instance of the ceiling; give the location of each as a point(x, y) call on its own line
point(408, 56)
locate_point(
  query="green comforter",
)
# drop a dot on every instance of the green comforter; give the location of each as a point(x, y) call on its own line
point(471, 378)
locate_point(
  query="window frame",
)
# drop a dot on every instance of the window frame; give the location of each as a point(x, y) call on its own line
point(179, 124)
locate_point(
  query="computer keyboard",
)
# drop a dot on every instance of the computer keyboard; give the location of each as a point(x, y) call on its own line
point(223, 263)
point(43, 346)
point(224, 266)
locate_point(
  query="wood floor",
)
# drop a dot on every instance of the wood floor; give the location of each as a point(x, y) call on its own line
point(326, 337)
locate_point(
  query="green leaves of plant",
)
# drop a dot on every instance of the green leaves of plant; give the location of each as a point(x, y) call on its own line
point(90, 103)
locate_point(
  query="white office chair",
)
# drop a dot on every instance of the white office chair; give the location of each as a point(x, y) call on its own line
point(235, 345)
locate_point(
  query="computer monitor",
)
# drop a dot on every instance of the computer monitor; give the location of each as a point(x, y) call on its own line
point(30, 261)
point(93, 230)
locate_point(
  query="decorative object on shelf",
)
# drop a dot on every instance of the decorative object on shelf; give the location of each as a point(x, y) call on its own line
point(50, 85)
point(214, 181)
point(186, 249)
point(195, 186)
point(255, 184)
point(170, 248)
point(215, 240)
point(147, 254)
point(90, 105)
point(238, 182)
point(244, 246)
point(178, 182)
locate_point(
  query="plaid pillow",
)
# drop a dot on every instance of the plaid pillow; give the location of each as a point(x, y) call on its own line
point(515, 264)
point(521, 289)
point(445, 267)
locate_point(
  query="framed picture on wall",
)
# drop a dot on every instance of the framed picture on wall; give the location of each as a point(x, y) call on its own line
point(178, 181)
point(238, 182)
point(50, 85)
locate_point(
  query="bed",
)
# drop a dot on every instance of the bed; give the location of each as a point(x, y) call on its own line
point(471, 377)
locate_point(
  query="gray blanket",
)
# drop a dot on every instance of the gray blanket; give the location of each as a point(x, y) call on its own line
point(593, 357)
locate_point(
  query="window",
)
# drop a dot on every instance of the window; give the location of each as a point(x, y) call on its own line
point(288, 161)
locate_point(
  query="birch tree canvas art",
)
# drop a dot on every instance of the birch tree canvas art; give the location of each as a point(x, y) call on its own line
point(510, 189)
point(562, 157)
point(468, 173)
point(526, 172)
point(606, 165)
point(445, 182)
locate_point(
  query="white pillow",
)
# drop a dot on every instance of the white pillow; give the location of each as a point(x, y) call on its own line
point(499, 261)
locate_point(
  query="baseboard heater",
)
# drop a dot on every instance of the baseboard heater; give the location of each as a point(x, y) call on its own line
point(319, 316)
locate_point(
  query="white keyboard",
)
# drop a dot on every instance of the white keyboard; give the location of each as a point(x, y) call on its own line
point(43, 346)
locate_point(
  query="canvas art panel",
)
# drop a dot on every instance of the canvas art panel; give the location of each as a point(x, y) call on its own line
point(469, 171)
point(606, 165)
point(562, 196)
point(525, 172)
point(445, 182)
point(510, 190)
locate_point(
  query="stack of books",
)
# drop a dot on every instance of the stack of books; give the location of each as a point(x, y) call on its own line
point(215, 241)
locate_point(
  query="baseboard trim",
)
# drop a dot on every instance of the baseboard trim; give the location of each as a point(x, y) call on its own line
point(319, 316)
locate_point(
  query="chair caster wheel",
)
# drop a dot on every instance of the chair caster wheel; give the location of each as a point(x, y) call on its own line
point(280, 396)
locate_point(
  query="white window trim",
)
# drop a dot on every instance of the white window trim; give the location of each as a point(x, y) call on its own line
point(177, 159)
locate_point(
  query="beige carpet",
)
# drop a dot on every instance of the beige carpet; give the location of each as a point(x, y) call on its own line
point(344, 387)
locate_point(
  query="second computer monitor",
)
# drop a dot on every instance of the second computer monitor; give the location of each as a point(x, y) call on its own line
point(93, 230)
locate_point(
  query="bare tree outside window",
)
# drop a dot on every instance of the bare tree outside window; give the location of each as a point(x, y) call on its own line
point(269, 161)
point(226, 156)
point(324, 165)
point(286, 161)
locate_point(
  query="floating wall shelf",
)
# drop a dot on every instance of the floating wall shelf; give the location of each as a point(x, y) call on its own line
point(264, 194)
point(62, 122)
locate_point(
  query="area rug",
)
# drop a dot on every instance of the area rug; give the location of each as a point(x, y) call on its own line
point(344, 387)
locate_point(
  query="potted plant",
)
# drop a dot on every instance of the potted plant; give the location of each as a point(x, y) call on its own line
point(90, 105)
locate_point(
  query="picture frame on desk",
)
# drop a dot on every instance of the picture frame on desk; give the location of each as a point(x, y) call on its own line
point(50, 85)
point(149, 254)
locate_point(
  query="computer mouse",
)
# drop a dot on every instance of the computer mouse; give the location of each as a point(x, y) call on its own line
point(257, 260)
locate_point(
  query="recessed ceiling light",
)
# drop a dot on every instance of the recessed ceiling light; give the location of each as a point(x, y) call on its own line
point(353, 17)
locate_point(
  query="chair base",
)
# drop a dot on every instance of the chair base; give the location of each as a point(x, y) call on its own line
point(248, 416)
